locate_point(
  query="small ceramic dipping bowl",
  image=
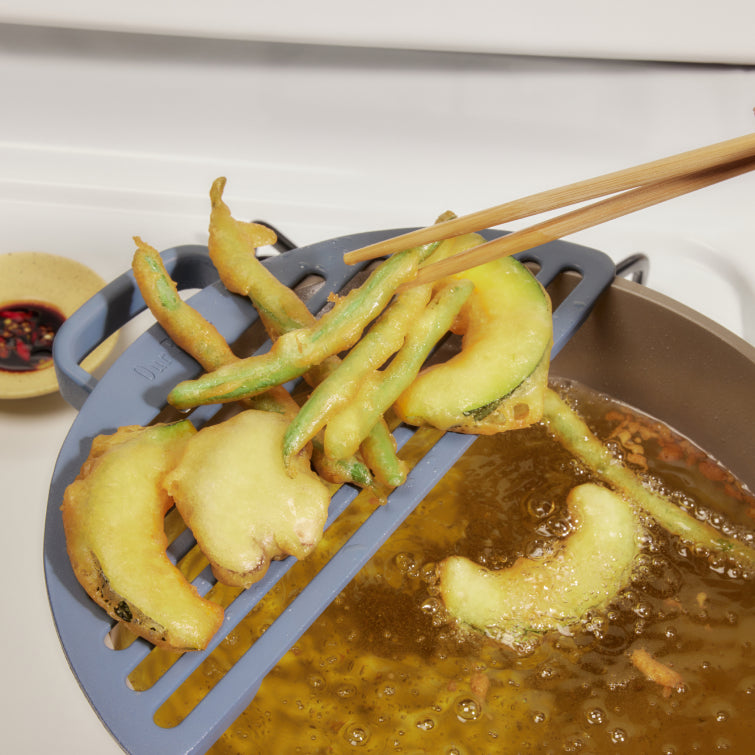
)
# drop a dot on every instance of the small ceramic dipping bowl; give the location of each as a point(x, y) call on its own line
point(38, 292)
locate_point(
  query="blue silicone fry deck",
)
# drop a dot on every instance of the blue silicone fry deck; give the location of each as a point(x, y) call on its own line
point(134, 390)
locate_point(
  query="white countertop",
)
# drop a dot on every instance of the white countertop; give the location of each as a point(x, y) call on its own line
point(107, 135)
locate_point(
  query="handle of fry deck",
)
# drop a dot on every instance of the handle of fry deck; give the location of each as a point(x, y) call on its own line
point(109, 310)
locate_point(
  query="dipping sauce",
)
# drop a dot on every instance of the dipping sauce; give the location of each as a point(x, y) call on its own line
point(27, 330)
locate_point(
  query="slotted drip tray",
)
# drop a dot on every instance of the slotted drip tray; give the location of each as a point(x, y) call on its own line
point(128, 682)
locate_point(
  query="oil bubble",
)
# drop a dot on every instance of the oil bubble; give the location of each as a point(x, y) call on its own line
point(211, 669)
point(643, 609)
point(428, 573)
point(356, 735)
point(537, 549)
point(468, 709)
point(540, 509)
point(316, 681)
point(547, 672)
point(406, 563)
point(431, 606)
point(573, 745)
point(232, 638)
point(595, 717)
point(560, 528)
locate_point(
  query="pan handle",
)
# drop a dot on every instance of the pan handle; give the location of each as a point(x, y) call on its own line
point(636, 265)
point(110, 309)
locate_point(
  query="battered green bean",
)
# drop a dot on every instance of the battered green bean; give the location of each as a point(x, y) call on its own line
point(384, 338)
point(297, 351)
point(340, 471)
point(379, 452)
point(574, 434)
point(232, 245)
point(190, 330)
point(379, 390)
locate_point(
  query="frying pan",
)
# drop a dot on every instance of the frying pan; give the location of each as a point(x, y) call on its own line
point(636, 345)
point(671, 362)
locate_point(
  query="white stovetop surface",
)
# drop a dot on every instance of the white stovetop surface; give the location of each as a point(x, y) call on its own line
point(719, 32)
point(106, 135)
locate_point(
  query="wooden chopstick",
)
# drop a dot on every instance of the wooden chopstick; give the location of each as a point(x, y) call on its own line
point(585, 217)
point(692, 161)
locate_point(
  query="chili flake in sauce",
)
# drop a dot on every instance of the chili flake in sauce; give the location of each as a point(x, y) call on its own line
point(26, 335)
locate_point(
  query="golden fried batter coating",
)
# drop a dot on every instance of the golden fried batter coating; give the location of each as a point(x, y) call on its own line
point(113, 518)
point(239, 500)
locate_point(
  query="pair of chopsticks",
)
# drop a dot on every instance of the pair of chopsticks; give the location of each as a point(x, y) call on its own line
point(631, 189)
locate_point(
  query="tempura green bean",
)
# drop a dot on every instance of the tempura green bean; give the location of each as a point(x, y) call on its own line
point(297, 351)
point(574, 434)
point(384, 338)
point(232, 246)
point(189, 329)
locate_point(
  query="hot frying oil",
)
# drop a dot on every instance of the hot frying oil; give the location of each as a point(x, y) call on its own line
point(384, 670)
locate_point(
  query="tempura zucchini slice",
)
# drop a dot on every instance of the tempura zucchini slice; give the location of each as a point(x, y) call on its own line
point(591, 565)
point(113, 519)
point(496, 382)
